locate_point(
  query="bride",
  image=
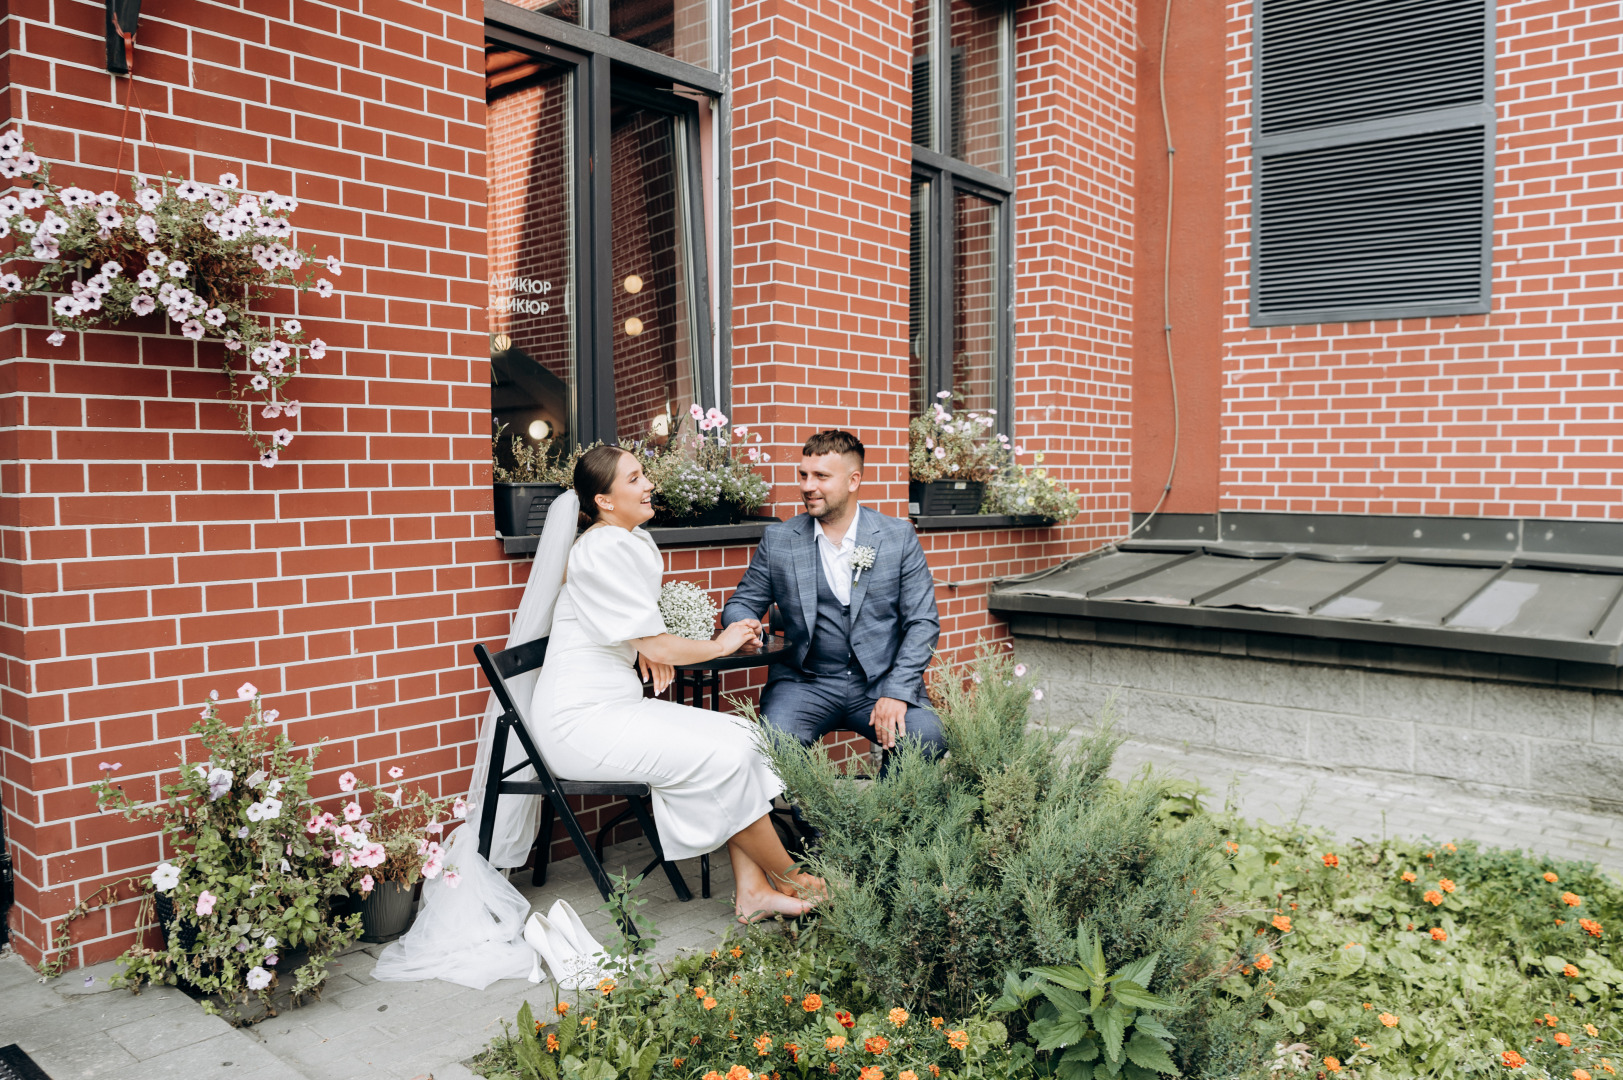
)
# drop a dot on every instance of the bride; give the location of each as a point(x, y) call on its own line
point(710, 783)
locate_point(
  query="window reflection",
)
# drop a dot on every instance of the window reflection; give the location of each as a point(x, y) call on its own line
point(978, 129)
point(923, 87)
point(567, 10)
point(918, 304)
point(531, 256)
point(655, 372)
point(974, 301)
point(676, 28)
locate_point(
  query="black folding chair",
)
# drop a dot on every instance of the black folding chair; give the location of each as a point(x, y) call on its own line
point(498, 668)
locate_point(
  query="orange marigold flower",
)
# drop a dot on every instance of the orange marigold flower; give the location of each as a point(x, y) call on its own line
point(1560, 922)
point(877, 1044)
point(1439, 934)
point(1350, 945)
point(1233, 847)
point(700, 992)
point(907, 1074)
point(695, 1040)
point(714, 953)
point(1409, 875)
point(794, 1052)
point(834, 1042)
point(788, 999)
point(606, 987)
point(713, 1075)
point(1580, 1074)
point(1282, 923)
point(738, 1072)
point(846, 1019)
point(1331, 860)
point(763, 1045)
point(958, 1040)
point(1570, 971)
point(1551, 878)
point(1571, 899)
point(871, 1072)
point(1332, 1065)
point(589, 1023)
point(1451, 847)
point(1592, 1030)
point(1264, 962)
point(552, 1043)
point(936, 1022)
point(1590, 926)
point(897, 1017)
point(812, 1002)
point(561, 1008)
point(935, 1070)
point(709, 1003)
point(1389, 1020)
point(1512, 1059)
point(737, 952)
point(1433, 897)
point(676, 1063)
point(1551, 1019)
point(1446, 885)
point(1368, 1005)
point(1606, 1063)
point(1563, 1039)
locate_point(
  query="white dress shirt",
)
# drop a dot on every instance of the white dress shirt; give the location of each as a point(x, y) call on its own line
point(837, 569)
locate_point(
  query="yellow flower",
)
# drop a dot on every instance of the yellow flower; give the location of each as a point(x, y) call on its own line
point(897, 1017)
point(1592, 1029)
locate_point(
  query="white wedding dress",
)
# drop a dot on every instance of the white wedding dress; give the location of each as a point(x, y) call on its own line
point(591, 722)
point(706, 773)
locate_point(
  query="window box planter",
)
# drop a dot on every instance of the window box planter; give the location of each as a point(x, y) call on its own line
point(944, 498)
point(716, 515)
point(982, 521)
point(521, 509)
point(746, 531)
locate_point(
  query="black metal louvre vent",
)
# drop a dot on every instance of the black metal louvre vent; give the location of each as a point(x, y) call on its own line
point(1373, 160)
point(1342, 61)
point(1383, 223)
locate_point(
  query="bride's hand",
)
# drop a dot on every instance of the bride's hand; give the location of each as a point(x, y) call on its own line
point(737, 634)
point(662, 675)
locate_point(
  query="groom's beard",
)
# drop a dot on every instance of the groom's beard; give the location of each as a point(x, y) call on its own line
point(825, 509)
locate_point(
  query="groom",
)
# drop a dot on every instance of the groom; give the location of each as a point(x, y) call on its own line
point(858, 607)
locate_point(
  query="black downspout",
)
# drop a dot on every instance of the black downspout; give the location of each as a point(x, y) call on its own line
point(8, 890)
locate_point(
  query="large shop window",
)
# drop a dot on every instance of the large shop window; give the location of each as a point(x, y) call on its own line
point(602, 314)
point(1373, 132)
point(962, 245)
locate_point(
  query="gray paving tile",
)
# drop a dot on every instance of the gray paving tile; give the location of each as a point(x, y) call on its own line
point(230, 1055)
point(170, 1030)
point(91, 1054)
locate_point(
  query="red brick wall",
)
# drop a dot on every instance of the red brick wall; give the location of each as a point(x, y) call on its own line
point(146, 561)
point(1510, 413)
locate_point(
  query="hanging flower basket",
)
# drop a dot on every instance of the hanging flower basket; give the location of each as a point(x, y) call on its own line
point(203, 254)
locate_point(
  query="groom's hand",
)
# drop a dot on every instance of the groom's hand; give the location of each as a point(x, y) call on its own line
point(889, 719)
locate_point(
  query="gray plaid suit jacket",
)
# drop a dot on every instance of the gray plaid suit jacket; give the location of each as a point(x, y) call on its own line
point(894, 626)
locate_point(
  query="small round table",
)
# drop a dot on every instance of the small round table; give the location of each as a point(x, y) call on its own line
point(707, 673)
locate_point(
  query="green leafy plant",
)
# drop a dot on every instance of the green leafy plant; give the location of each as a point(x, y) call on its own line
point(241, 871)
point(942, 875)
point(532, 462)
point(1103, 1022)
point(1015, 489)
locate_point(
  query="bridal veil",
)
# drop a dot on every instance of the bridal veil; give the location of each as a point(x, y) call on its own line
point(472, 934)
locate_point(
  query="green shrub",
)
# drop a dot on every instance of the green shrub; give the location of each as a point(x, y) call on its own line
point(1440, 975)
point(944, 878)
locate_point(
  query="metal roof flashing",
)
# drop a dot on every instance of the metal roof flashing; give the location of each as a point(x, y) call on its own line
point(1500, 586)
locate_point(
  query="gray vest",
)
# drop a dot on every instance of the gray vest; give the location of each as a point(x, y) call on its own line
point(830, 652)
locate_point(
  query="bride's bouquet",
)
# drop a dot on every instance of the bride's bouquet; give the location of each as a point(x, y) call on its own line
point(687, 610)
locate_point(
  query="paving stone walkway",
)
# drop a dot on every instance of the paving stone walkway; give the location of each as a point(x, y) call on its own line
point(362, 1029)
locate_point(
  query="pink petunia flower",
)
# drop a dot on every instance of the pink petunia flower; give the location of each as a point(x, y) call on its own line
point(205, 902)
point(347, 782)
point(396, 772)
point(246, 691)
point(352, 811)
point(366, 884)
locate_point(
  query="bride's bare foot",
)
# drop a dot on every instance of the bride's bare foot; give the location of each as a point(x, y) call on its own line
point(753, 906)
point(806, 886)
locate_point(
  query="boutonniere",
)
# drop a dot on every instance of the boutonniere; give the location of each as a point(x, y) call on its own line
point(862, 558)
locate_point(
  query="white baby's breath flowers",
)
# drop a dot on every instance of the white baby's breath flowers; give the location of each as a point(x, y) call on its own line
point(687, 611)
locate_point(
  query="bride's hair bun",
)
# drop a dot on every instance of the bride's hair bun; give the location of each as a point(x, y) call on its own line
point(594, 475)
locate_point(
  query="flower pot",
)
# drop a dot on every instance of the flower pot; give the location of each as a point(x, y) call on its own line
point(521, 509)
point(720, 514)
point(386, 912)
point(168, 923)
point(944, 498)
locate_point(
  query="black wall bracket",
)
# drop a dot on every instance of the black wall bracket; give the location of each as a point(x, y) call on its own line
point(122, 17)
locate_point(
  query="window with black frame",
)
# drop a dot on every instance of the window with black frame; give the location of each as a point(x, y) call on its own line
point(600, 311)
point(961, 244)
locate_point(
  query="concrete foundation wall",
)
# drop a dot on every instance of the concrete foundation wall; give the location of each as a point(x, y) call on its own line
point(1537, 741)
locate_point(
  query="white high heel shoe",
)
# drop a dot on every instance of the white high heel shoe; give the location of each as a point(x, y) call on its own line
point(563, 917)
point(570, 969)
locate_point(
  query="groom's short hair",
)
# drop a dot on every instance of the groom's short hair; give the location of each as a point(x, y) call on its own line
point(834, 441)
